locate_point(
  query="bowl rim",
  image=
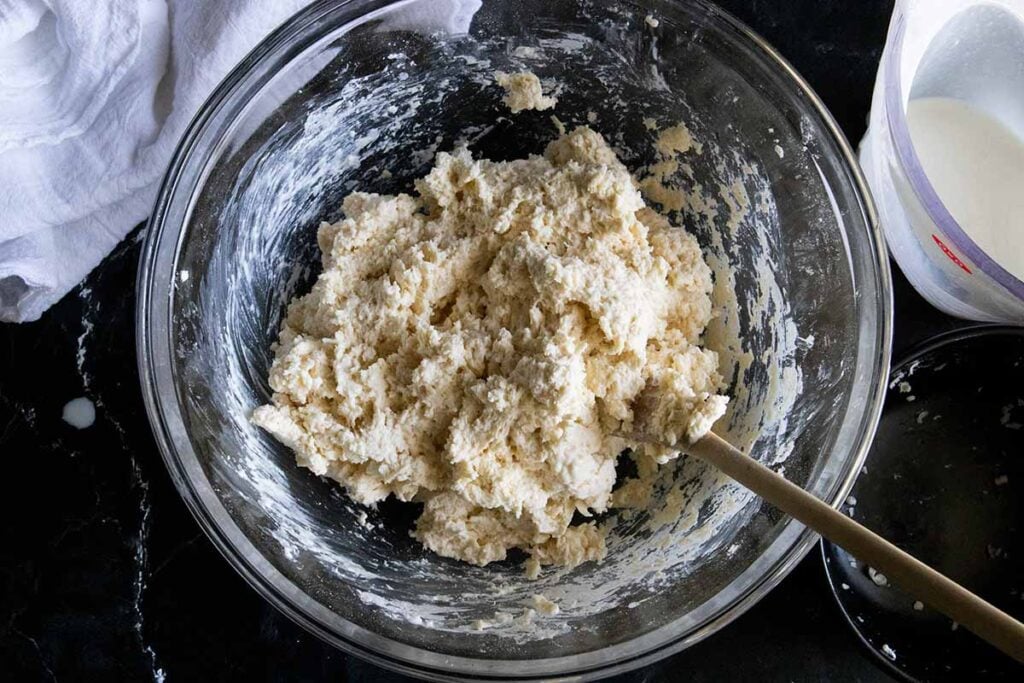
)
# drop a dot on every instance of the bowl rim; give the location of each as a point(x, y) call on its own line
point(154, 325)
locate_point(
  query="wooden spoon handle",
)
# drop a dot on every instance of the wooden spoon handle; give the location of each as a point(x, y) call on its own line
point(915, 577)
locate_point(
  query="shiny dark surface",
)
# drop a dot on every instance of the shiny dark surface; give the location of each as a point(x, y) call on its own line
point(944, 481)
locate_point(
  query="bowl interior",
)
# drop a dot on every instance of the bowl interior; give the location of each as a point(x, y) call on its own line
point(360, 96)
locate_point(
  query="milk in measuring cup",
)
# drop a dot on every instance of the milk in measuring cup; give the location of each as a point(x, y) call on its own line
point(944, 153)
point(976, 165)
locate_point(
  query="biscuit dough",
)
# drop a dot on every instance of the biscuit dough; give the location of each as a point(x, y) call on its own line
point(476, 347)
point(523, 91)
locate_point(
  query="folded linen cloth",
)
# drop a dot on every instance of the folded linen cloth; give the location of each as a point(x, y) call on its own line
point(93, 99)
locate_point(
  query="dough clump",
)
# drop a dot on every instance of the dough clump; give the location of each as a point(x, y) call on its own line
point(523, 91)
point(478, 346)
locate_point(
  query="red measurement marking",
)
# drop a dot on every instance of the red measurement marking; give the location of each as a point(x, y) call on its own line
point(952, 257)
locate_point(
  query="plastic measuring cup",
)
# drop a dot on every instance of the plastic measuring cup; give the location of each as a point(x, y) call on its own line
point(973, 52)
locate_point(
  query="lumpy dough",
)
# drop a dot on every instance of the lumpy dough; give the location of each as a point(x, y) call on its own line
point(523, 91)
point(478, 346)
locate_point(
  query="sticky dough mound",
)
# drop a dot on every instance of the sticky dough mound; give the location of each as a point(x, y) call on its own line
point(523, 91)
point(476, 347)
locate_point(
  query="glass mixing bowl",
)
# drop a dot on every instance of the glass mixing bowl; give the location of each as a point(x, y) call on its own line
point(360, 95)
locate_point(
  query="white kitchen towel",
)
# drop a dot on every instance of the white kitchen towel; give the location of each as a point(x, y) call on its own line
point(94, 95)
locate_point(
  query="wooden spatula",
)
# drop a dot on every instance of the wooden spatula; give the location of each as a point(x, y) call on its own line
point(914, 577)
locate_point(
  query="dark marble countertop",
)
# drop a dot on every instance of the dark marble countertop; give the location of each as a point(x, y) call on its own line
point(105, 575)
